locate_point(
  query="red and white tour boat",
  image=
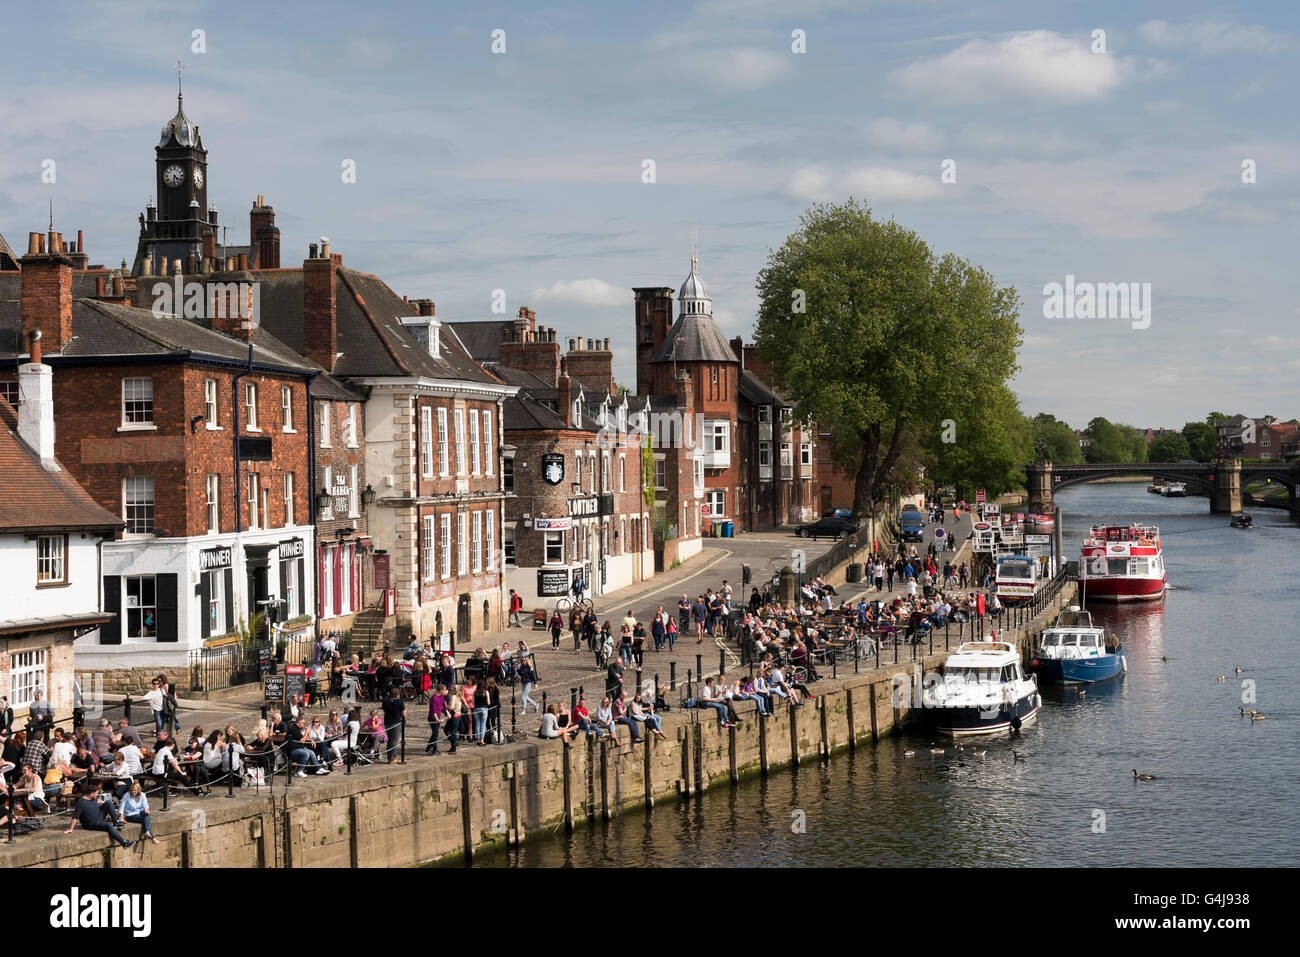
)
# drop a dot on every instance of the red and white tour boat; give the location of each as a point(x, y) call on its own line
point(1123, 563)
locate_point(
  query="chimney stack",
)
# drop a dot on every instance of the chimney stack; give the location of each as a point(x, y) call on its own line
point(683, 380)
point(423, 307)
point(532, 349)
point(36, 403)
point(564, 399)
point(320, 334)
point(264, 236)
point(592, 364)
point(46, 293)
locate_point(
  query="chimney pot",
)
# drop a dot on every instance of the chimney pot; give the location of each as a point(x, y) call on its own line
point(311, 250)
point(325, 251)
point(606, 345)
point(99, 286)
point(118, 287)
point(243, 262)
point(33, 244)
point(34, 346)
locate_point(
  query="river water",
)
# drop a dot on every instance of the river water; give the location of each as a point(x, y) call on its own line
point(1225, 792)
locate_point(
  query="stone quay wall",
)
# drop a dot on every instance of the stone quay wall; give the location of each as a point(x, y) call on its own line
point(446, 808)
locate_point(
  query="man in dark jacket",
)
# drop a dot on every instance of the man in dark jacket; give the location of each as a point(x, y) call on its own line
point(394, 718)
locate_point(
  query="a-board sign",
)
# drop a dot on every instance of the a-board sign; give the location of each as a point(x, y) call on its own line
point(265, 661)
point(295, 681)
point(552, 581)
point(273, 688)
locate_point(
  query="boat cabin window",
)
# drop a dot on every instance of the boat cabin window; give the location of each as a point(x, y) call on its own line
point(1008, 672)
point(1069, 640)
point(1051, 640)
point(1139, 566)
point(1017, 570)
point(1089, 641)
point(1116, 566)
point(1097, 566)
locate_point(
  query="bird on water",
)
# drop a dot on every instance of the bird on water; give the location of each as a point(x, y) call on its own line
point(1257, 717)
point(909, 753)
point(1016, 756)
point(1142, 777)
point(1245, 713)
point(934, 750)
point(1221, 678)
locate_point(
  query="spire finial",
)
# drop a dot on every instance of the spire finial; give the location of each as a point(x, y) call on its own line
point(51, 214)
point(180, 93)
point(695, 247)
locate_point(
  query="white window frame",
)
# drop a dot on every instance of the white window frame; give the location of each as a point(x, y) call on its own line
point(133, 386)
point(254, 501)
point(719, 437)
point(327, 581)
point(443, 465)
point(622, 468)
point(805, 454)
point(210, 413)
point(216, 612)
point(490, 546)
point(489, 459)
point(461, 464)
point(661, 472)
point(476, 537)
point(27, 676)
point(509, 536)
point(604, 472)
point(352, 425)
point(764, 453)
point(462, 545)
point(139, 483)
point(286, 409)
point(126, 588)
point(577, 477)
point(250, 407)
point(288, 499)
point(430, 569)
point(52, 559)
point(765, 414)
point(354, 494)
point(325, 425)
point(717, 502)
point(591, 470)
point(474, 447)
point(213, 503)
point(326, 514)
point(426, 441)
point(444, 525)
point(553, 539)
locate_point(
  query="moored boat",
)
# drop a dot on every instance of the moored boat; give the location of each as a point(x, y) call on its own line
point(1243, 520)
point(1175, 489)
point(1075, 651)
point(982, 690)
point(1122, 563)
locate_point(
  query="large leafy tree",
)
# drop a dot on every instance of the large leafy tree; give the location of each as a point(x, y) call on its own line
point(1055, 441)
point(1170, 447)
point(878, 340)
point(1201, 440)
point(1113, 442)
point(991, 440)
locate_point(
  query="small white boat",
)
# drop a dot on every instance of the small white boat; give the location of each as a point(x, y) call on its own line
point(982, 690)
point(1175, 489)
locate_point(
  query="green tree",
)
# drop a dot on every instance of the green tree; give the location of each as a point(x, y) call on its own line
point(1200, 441)
point(991, 442)
point(879, 341)
point(1057, 440)
point(1170, 447)
point(1113, 442)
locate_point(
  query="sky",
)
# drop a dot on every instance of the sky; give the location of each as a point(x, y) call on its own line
point(1119, 157)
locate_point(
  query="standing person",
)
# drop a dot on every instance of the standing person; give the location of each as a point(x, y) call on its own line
point(575, 625)
point(638, 644)
point(684, 615)
point(657, 630)
point(670, 635)
point(6, 715)
point(614, 679)
point(455, 711)
point(699, 615)
point(889, 570)
point(482, 704)
point(394, 720)
point(963, 575)
point(516, 605)
point(41, 712)
point(527, 679)
point(437, 715)
point(557, 626)
point(171, 708)
point(625, 645)
point(590, 624)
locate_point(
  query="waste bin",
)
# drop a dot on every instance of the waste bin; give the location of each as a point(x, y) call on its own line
point(854, 573)
point(728, 528)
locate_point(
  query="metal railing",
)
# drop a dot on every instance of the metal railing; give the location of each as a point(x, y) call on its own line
point(213, 669)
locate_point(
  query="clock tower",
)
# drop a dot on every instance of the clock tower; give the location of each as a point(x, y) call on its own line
point(180, 225)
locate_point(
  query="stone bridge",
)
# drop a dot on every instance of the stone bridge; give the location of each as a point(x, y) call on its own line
point(1221, 480)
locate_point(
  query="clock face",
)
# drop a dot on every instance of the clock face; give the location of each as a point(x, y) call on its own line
point(173, 176)
point(198, 178)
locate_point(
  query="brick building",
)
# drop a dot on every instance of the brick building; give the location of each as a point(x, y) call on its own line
point(431, 435)
point(50, 531)
point(193, 430)
point(573, 464)
point(694, 345)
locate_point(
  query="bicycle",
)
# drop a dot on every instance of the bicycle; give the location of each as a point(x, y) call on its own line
point(565, 605)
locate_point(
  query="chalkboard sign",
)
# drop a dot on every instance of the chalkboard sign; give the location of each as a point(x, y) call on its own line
point(552, 581)
point(265, 661)
point(273, 688)
point(295, 681)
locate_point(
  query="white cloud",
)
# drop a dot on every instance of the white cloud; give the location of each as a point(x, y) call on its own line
point(897, 134)
point(584, 292)
point(1214, 36)
point(873, 183)
point(1038, 65)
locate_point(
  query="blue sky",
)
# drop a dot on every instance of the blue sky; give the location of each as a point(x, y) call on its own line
point(523, 171)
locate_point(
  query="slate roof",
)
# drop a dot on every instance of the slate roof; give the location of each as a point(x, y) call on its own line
point(695, 338)
point(372, 340)
point(757, 390)
point(482, 339)
point(7, 258)
point(32, 499)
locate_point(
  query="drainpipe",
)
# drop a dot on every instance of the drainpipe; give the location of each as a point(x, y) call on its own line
point(311, 506)
point(239, 503)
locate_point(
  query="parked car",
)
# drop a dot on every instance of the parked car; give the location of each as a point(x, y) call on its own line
point(838, 513)
point(831, 527)
point(912, 525)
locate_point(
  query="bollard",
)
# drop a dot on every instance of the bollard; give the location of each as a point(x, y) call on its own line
point(544, 702)
point(573, 698)
point(403, 750)
point(722, 660)
point(265, 712)
point(513, 711)
point(167, 790)
point(638, 679)
point(672, 676)
point(656, 685)
point(13, 813)
point(699, 665)
point(835, 664)
point(126, 708)
point(230, 774)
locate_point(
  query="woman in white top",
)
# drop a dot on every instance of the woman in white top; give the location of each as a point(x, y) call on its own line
point(156, 698)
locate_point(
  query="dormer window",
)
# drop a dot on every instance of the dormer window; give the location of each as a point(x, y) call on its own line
point(425, 330)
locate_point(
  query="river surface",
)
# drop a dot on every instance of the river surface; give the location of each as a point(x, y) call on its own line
point(1226, 787)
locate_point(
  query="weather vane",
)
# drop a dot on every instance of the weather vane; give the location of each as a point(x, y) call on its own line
point(179, 68)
